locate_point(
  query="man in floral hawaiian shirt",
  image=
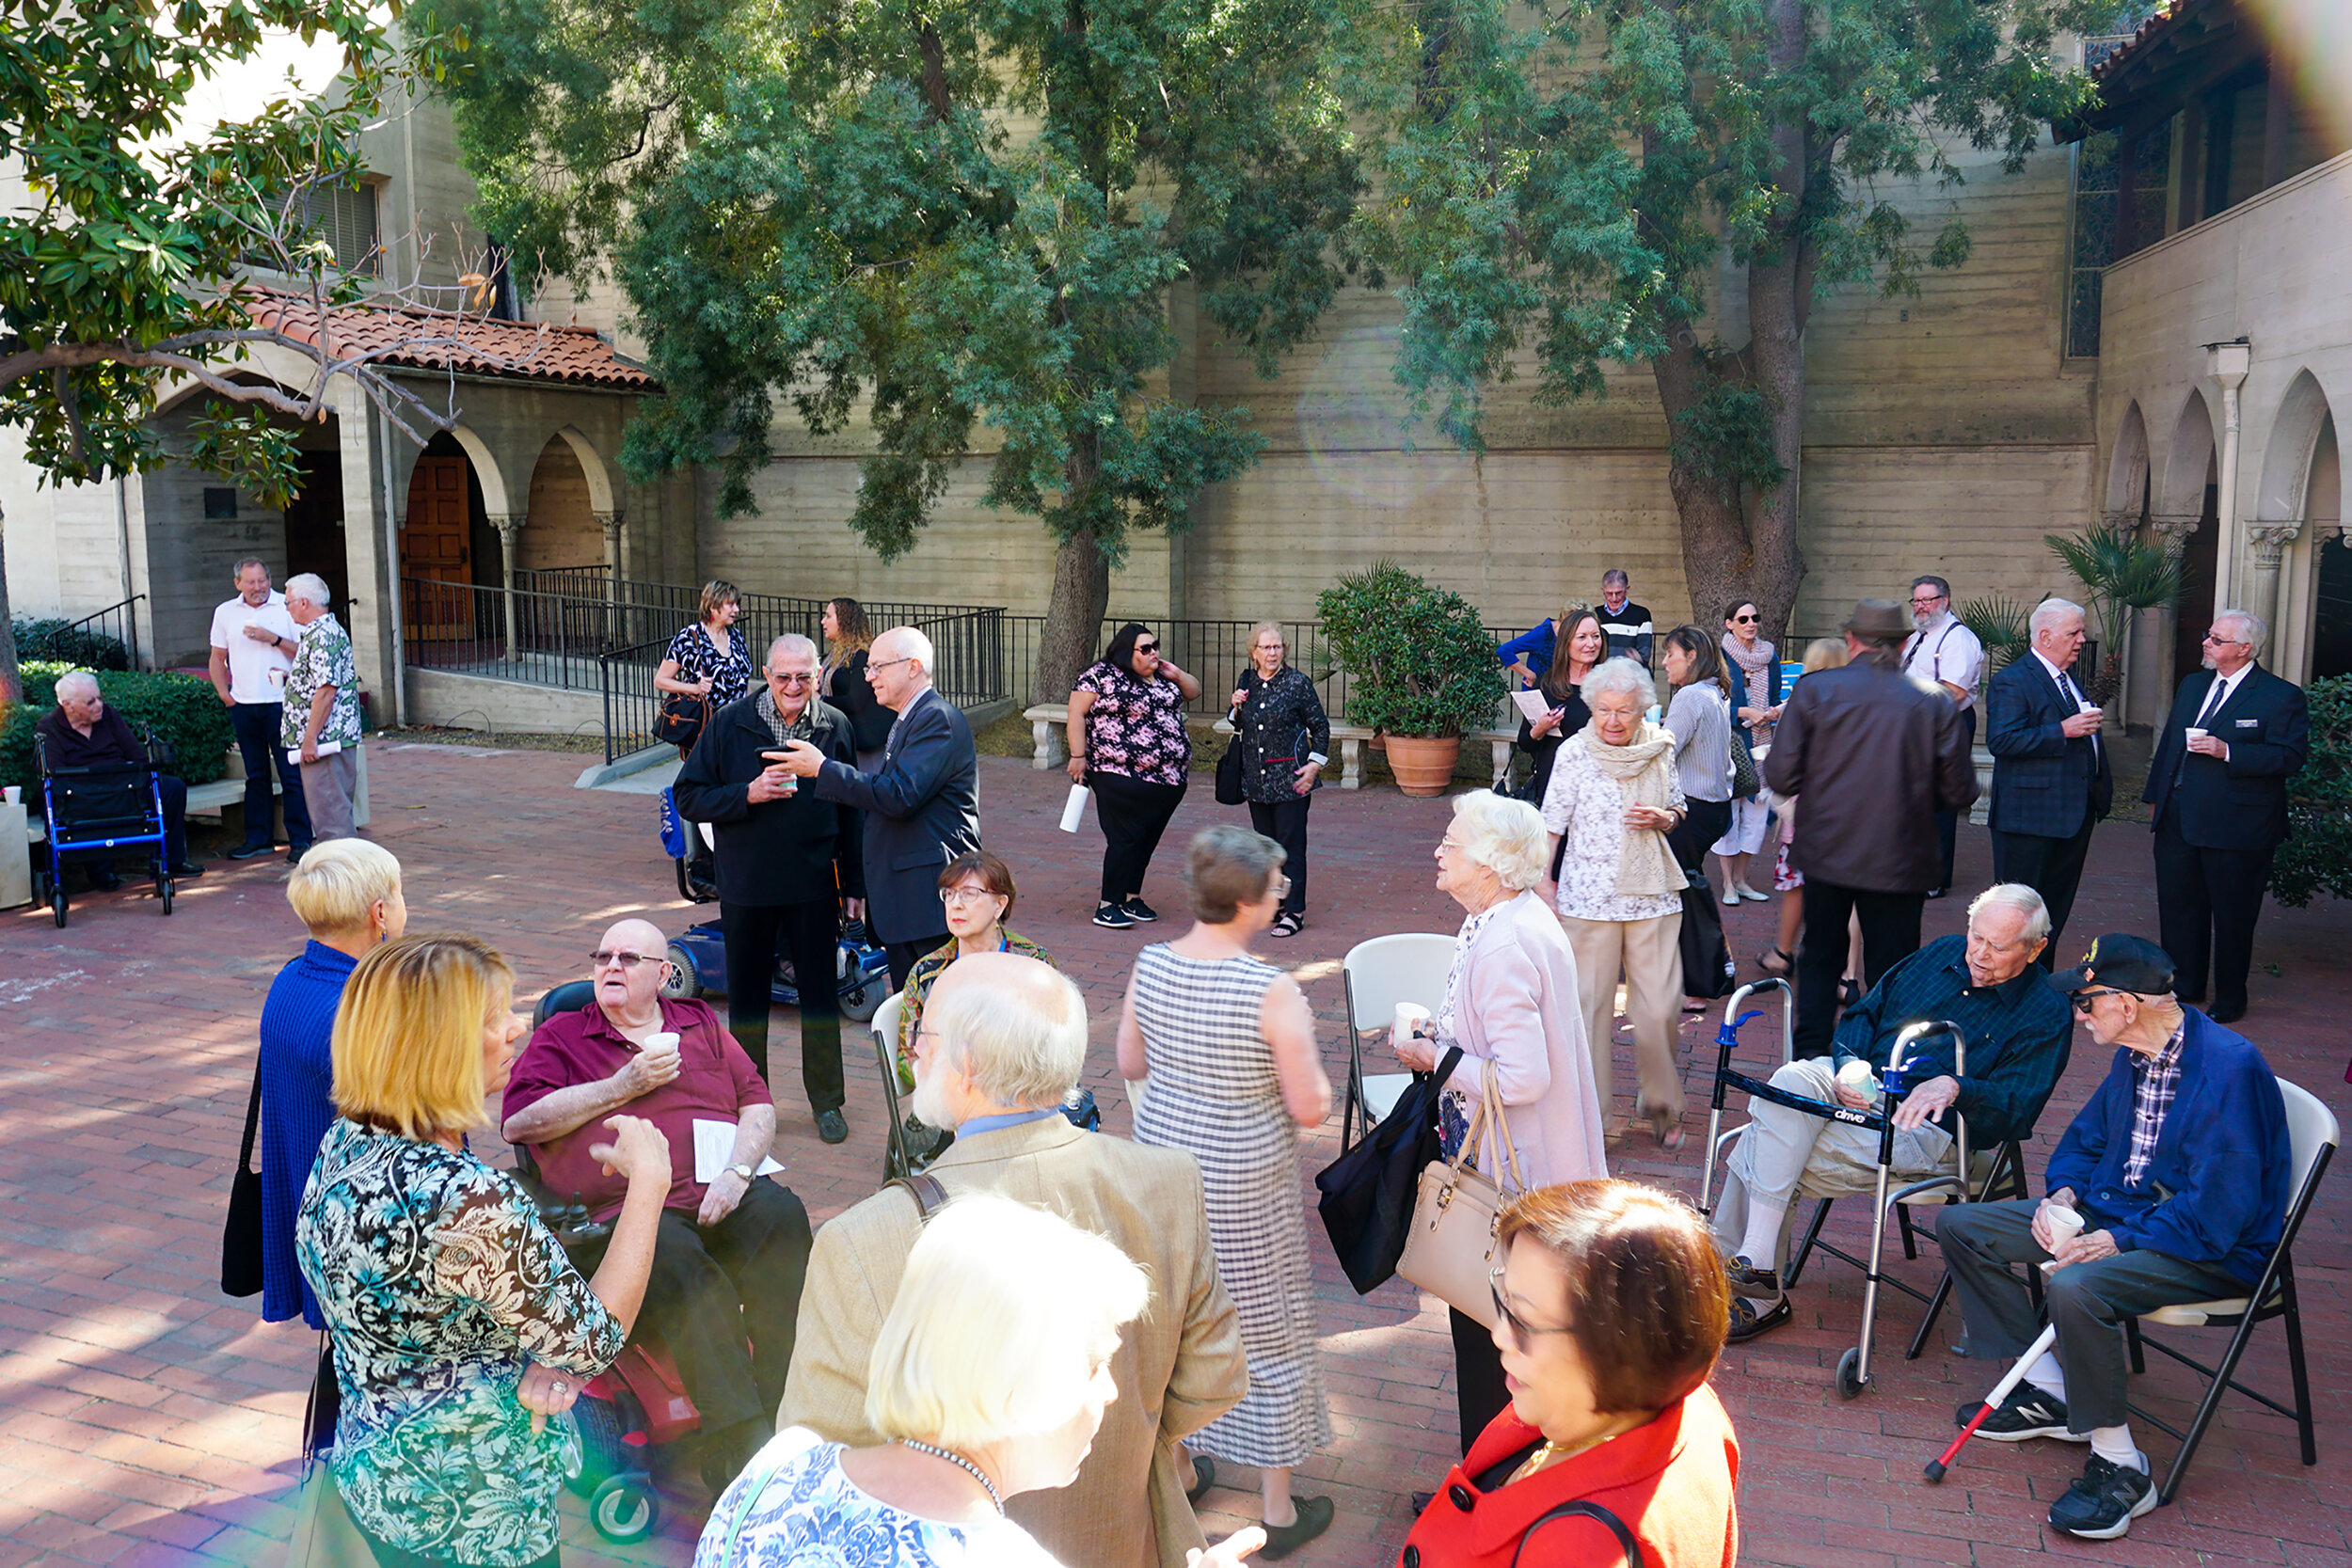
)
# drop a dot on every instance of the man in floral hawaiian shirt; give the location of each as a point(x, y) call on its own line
point(322, 724)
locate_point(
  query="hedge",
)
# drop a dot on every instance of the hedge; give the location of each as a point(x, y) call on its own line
point(57, 640)
point(184, 712)
point(2318, 856)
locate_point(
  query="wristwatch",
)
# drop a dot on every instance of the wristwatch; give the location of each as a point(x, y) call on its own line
point(743, 1170)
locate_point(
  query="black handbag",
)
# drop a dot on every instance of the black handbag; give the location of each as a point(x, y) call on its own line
point(1709, 969)
point(1368, 1193)
point(1229, 775)
point(681, 720)
point(241, 1240)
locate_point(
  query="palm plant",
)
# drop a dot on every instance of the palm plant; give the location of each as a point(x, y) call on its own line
point(2120, 573)
point(1999, 623)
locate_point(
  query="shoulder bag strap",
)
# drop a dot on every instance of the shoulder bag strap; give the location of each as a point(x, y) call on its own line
point(929, 1197)
point(1625, 1544)
point(252, 1121)
point(1491, 1097)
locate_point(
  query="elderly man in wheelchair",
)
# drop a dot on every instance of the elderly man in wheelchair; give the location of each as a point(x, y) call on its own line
point(82, 732)
point(2018, 1032)
point(732, 1247)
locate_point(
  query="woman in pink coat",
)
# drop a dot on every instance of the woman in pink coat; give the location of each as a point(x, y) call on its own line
point(1511, 1005)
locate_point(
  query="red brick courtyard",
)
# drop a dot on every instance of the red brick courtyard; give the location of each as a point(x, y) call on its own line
point(145, 1419)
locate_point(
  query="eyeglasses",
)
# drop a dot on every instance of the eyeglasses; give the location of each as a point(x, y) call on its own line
point(1521, 1330)
point(604, 959)
point(872, 665)
point(2083, 999)
point(1927, 598)
point(2227, 642)
point(957, 896)
point(793, 678)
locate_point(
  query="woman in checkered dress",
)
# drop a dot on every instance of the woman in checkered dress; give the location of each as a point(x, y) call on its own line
point(1226, 1044)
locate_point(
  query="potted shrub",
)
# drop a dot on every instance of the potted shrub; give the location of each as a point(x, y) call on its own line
point(1421, 668)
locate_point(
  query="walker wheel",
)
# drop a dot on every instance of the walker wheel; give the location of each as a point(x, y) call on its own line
point(624, 1509)
point(1850, 1379)
point(58, 905)
point(163, 890)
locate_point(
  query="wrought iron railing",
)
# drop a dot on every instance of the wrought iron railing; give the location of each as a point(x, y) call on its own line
point(89, 641)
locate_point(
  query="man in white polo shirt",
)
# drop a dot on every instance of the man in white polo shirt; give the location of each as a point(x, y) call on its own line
point(253, 646)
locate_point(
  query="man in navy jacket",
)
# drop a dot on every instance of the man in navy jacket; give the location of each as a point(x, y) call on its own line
point(922, 805)
point(2176, 1173)
point(2219, 806)
point(2051, 782)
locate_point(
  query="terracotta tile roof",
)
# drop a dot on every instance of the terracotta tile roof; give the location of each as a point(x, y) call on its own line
point(2148, 31)
point(441, 340)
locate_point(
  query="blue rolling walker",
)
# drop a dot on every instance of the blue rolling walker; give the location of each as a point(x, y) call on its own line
point(106, 807)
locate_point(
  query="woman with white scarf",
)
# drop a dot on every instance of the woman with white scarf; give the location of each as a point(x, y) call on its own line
point(1614, 797)
point(1753, 674)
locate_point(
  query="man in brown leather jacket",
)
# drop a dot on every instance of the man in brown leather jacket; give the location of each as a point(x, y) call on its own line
point(1874, 755)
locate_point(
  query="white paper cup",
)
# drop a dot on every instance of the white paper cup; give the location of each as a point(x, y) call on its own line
point(661, 1044)
point(2065, 1224)
point(2194, 733)
point(1857, 1077)
point(1409, 1014)
point(13, 794)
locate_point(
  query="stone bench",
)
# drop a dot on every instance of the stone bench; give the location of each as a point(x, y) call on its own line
point(1049, 722)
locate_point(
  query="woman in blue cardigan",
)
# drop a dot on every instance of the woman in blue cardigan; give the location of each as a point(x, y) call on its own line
point(347, 892)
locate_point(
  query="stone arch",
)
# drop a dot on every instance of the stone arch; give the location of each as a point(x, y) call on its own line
point(2127, 467)
point(561, 527)
point(602, 494)
point(2188, 457)
point(2287, 453)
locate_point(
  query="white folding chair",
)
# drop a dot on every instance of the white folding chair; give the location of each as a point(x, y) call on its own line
point(884, 1025)
point(2312, 1137)
point(1378, 974)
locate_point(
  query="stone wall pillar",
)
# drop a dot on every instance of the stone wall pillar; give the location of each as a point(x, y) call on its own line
point(2268, 542)
point(509, 526)
point(610, 523)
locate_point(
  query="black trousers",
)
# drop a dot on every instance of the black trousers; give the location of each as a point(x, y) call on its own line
point(2053, 867)
point(257, 728)
point(1479, 1392)
point(2088, 1302)
point(903, 953)
point(714, 1287)
point(1134, 816)
point(1948, 822)
point(1285, 822)
point(1890, 930)
point(1702, 823)
point(808, 934)
point(2207, 901)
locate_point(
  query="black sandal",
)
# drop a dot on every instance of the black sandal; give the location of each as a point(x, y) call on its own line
point(1787, 961)
point(1286, 926)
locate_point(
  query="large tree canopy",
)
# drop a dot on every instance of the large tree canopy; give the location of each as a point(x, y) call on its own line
point(942, 219)
point(1567, 178)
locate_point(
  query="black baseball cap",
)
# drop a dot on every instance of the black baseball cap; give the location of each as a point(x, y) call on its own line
point(2120, 961)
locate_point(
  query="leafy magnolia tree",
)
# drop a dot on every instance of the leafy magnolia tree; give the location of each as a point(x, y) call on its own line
point(955, 229)
point(1570, 178)
point(123, 271)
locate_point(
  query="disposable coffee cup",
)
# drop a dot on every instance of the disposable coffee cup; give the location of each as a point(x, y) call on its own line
point(1856, 1078)
point(13, 794)
point(661, 1044)
point(2065, 1225)
point(1408, 1016)
point(2194, 733)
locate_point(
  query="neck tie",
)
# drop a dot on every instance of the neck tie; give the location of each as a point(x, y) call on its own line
point(2073, 693)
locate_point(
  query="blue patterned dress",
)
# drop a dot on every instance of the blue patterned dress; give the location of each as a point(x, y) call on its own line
point(793, 1507)
point(440, 1285)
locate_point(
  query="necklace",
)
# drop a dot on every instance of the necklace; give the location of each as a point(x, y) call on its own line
point(1551, 1451)
point(956, 1458)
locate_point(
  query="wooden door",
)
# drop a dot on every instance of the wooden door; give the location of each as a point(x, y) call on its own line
point(314, 527)
point(433, 549)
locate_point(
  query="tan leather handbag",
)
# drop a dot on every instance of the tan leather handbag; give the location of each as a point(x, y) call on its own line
point(1450, 1246)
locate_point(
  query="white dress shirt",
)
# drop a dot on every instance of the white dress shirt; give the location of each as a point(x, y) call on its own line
point(1947, 652)
point(2217, 697)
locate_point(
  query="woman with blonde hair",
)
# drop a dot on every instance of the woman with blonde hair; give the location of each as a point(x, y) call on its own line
point(841, 679)
point(1511, 1003)
point(709, 659)
point(459, 1327)
point(989, 1379)
point(346, 892)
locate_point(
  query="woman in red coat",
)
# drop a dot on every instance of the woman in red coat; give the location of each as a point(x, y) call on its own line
point(1610, 1306)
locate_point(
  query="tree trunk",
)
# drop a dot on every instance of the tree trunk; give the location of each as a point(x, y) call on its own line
point(1073, 617)
point(11, 678)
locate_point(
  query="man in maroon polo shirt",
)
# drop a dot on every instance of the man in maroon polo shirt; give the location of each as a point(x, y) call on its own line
point(729, 1257)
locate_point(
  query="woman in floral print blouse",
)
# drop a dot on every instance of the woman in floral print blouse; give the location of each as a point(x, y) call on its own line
point(461, 1331)
point(1127, 741)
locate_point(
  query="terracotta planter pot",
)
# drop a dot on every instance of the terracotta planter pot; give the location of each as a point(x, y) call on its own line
point(1423, 765)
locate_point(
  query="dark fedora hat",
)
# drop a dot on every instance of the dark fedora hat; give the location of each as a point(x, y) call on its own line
point(1878, 621)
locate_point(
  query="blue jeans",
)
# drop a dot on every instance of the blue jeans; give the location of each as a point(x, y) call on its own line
point(258, 726)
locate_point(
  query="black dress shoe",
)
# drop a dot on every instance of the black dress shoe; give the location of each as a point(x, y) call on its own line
point(1203, 1477)
point(832, 1127)
point(247, 851)
point(183, 870)
point(2227, 1012)
point(1314, 1517)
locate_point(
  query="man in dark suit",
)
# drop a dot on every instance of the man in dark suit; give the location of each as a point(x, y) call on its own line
point(785, 859)
point(2218, 801)
point(922, 805)
point(2051, 781)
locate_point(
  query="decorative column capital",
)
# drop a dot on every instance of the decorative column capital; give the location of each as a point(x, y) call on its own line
point(508, 525)
point(2172, 532)
point(2270, 541)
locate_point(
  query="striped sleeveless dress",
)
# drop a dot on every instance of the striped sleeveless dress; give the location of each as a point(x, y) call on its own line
point(1213, 1095)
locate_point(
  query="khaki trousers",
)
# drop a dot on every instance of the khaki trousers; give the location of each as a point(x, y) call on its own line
point(1649, 953)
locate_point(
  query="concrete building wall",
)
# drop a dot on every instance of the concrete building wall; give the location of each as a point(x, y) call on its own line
point(561, 529)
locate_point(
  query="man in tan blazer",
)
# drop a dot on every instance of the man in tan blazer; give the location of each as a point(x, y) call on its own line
point(1000, 1046)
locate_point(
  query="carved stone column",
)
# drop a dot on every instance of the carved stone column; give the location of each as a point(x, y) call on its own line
point(509, 526)
point(2171, 534)
point(2270, 542)
point(610, 523)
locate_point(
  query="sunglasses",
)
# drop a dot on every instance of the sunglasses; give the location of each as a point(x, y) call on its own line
point(2225, 641)
point(603, 958)
point(1744, 620)
point(2083, 999)
point(1147, 647)
point(1521, 1330)
point(791, 679)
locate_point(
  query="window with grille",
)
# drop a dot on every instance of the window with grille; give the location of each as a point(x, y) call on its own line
point(341, 213)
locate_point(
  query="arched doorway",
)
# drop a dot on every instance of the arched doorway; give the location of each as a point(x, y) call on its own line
point(2331, 609)
point(447, 544)
point(561, 529)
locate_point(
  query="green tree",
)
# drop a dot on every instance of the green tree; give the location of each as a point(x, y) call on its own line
point(927, 220)
point(1570, 177)
point(124, 268)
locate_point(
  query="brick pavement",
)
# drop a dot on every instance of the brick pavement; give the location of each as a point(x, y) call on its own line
point(144, 1418)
